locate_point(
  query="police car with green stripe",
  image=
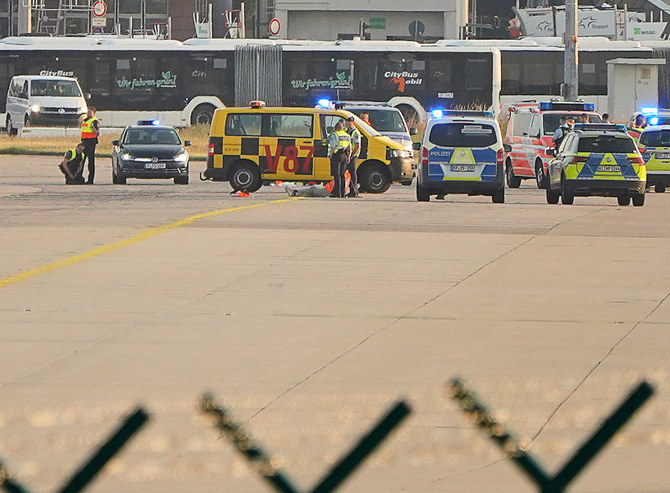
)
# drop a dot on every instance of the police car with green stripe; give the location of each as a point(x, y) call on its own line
point(597, 159)
point(462, 153)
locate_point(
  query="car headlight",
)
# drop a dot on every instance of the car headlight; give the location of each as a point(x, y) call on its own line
point(395, 153)
point(35, 108)
point(126, 156)
point(182, 157)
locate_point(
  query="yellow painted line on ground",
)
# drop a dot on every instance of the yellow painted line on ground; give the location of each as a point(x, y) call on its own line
point(128, 241)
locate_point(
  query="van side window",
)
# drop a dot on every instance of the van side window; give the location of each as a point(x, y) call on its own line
point(328, 124)
point(522, 123)
point(287, 126)
point(24, 90)
point(535, 126)
point(241, 124)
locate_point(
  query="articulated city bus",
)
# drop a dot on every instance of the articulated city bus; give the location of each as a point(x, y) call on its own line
point(182, 83)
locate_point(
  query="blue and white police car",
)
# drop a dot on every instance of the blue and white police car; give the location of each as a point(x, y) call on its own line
point(462, 153)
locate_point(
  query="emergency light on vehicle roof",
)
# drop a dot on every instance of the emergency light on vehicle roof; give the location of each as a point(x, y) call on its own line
point(257, 104)
point(323, 103)
point(486, 114)
point(614, 127)
point(148, 122)
point(437, 113)
point(653, 120)
point(566, 105)
point(649, 111)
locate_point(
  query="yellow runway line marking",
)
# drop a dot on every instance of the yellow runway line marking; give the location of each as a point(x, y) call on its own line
point(128, 241)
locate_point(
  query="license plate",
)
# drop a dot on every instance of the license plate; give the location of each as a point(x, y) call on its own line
point(662, 155)
point(154, 166)
point(611, 169)
point(460, 168)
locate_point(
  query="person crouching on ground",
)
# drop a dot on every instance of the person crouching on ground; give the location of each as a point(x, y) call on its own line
point(72, 165)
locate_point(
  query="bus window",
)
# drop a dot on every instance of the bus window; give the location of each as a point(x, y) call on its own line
point(208, 75)
point(100, 77)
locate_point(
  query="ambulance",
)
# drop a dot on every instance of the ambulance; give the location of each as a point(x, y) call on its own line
point(530, 129)
point(257, 144)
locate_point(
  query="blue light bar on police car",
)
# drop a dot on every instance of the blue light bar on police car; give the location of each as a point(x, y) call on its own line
point(486, 114)
point(148, 122)
point(566, 106)
point(323, 103)
point(653, 120)
point(437, 113)
point(614, 127)
point(649, 111)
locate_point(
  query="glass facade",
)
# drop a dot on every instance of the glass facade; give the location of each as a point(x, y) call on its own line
point(140, 16)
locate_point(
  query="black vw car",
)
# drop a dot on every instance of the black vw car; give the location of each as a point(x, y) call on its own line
point(150, 150)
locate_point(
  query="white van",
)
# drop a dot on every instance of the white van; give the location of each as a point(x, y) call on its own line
point(37, 100)
point(385, 119)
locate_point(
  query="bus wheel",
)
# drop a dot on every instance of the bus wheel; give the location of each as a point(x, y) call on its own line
point(374, 179)
point(202, 114)
point(246, 177)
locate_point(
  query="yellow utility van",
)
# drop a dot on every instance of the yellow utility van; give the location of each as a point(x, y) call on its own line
point(256, 145)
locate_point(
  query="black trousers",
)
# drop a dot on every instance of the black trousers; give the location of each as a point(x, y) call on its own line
point(89, 155)
point(73, 167)
point(351, 168)
point(338, 163)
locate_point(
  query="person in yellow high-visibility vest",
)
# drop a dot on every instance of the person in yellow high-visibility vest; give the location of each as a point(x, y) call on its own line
point(90, 129)
point(339, 152)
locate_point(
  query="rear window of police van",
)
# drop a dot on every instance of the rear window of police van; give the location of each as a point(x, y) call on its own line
point(659, 138)
point(606, 143)
point(463, 135)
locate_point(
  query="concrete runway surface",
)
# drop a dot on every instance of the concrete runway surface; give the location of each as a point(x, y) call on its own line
point(308, 318)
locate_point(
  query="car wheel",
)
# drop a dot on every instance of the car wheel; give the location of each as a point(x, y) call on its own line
point(498, 196)
point(513, 181)
point(181, 180)
point(422, 194)
point(540, 179)
point(623, 200)
point(374, 179)
point(552, 195)
point(659, 188)
point(246, 177)
point(203, 114)
point(567, 196)
point(638, 200)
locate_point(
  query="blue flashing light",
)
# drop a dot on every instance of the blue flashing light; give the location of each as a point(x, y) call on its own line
point(323, 103)
point(149, 122)
point(649, 111)
point(566, 106)
point(653, 120)
point(437, 113)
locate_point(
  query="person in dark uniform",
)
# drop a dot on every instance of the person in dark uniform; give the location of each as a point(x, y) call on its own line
point(90, 129)
point(339, 149)
point(72, 165)
point(355, 152)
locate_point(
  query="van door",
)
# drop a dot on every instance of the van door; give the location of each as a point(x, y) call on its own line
point(287, 146)
point(327, 127)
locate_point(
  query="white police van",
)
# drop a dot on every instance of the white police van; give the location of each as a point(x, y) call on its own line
point(462, 153)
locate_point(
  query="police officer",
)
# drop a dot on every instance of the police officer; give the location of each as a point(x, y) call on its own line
point(566, 127)
point(72, 165)
point(355, 152)
point(636, 129)
point(339, 149)
point(90, 129)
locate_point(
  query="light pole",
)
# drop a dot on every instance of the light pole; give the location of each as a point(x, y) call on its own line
point(571, 58)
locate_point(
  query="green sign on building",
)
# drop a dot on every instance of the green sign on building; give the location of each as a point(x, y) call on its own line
point(377, 23)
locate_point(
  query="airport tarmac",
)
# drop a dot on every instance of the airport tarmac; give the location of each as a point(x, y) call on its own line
point(308, 318)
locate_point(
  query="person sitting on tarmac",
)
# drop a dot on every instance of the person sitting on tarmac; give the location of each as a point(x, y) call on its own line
point(72, 165)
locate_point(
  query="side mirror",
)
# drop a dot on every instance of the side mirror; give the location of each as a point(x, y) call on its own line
point(550, 151)
point(413, 131)
point(187, 143)
point(115, 142)
point(416, 146)
point(507, 148)
point(87, 96)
